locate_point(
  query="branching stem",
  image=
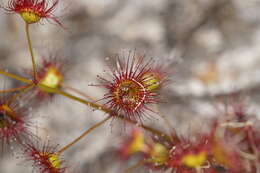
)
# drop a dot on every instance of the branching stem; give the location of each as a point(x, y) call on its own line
point(16, 77)
point(14, 89)
point(89, 103)
point(24, 90)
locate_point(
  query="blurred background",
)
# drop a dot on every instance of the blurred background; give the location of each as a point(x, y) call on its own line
point(211, 45)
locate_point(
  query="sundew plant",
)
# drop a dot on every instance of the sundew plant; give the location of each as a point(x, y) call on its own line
point(135, 91)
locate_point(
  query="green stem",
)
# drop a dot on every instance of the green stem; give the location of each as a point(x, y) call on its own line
point(31, 51)
point(16, 77)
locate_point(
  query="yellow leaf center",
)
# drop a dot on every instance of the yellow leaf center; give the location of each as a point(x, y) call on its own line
point(51, 79)
point(7, 116)
point(55, 161)
point(194, 160)
point(159, 154)
point(151, 81)
point(137, 144)
point(30, 16)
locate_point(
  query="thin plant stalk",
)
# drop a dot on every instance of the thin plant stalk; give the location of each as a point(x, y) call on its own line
point(84, 134)
point(14, 89)
point(31, 51)
point(78, 92)
point(16, 77)
point(20, 93)
point(135, 166)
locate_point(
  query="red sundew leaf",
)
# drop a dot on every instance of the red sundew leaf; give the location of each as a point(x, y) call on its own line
point(129, 92)
point(50, 73)
point(15, 121)
point(226, 155)
point(235, 136)
point(187, 154)
point(44, 156)
point(134, 143)
point(33, 11)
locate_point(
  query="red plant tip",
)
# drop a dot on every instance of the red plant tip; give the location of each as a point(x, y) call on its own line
point(226, 154)
point(45, 158)
point(10, 123)
point(194, 160)
point(13, 124)
point(189, 155)
point(155, 154)
point(32, 11)
point(130, 90)
point(134, 144)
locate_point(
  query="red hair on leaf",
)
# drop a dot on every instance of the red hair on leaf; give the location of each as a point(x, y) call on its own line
point(32, 11)
point(15, 123)
point(127, 92)
point(45, 157)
